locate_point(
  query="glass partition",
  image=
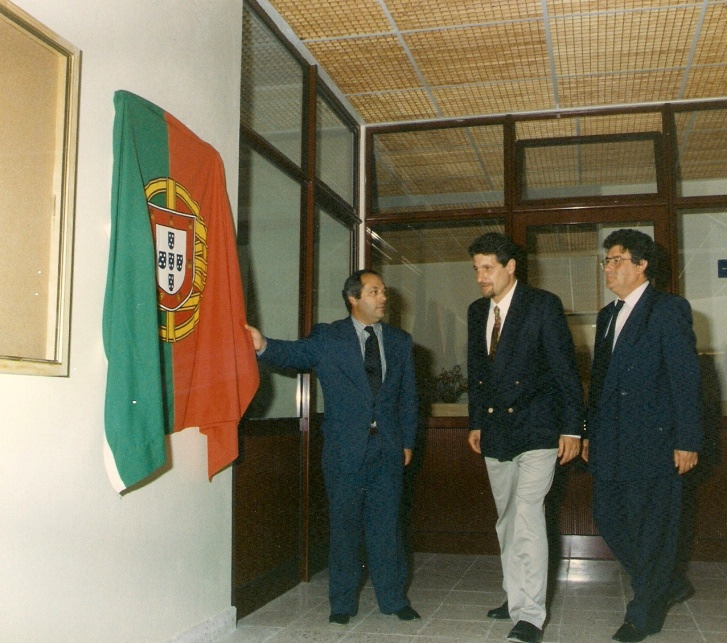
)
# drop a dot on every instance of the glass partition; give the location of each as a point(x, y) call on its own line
point(269, 246)
point(703, 281)
point(701, 159)
point(333, 262)
point(272, 88)
point(588, 155)
point(588, 167)
point(438, 168)
point(428, 274)
point(335, 147)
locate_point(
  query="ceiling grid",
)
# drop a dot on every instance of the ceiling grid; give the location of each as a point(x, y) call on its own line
point(413, 60)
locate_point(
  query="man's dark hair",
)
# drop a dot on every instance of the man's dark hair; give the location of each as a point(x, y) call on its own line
point(639, 244)
point(353, 285)
point(494, 243)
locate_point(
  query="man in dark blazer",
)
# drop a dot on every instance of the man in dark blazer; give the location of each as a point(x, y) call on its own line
point(643, 427)
point(525, 412)
point(366, 371)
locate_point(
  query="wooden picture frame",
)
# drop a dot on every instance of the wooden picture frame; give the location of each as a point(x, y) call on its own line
point(40, 76)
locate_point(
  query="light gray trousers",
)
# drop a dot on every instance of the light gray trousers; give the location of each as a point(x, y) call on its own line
point(519, 488)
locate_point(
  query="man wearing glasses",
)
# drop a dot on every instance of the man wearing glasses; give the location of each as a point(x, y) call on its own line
point(643, 428)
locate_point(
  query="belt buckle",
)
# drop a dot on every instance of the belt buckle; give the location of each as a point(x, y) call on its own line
point(373, 429)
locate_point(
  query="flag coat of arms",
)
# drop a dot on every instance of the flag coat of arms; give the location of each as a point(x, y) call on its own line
point(174, 315)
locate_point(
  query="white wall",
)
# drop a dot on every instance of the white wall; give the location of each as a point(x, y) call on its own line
point(78, 562)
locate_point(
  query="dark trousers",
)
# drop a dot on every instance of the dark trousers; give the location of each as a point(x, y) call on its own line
point(365, 503)
point(639, 520)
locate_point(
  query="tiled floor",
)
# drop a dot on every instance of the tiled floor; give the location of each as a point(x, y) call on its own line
point(453, 594)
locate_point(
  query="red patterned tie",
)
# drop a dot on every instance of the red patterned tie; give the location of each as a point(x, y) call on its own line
point(495, 333)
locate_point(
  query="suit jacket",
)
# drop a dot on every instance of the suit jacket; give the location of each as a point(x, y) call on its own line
point(531, 393)
point(334, 352)
point(647, 402)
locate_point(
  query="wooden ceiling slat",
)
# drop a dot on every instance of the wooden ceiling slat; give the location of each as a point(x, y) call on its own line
point(392, 107)
point(332, 18)
point(435, 14)
point(711, 49)
point(495, 98)
point(619, 89)
point(502, 51)
point(366, 64)
point(706, 82)
point(614, 42)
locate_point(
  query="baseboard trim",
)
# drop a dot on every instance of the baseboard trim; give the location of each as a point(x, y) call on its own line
point(213, 629)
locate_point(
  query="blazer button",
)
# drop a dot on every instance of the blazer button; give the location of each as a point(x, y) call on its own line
point(624, 393)
point(517, 382)
point(510, 410)
point(490, 410)
point(479, 383)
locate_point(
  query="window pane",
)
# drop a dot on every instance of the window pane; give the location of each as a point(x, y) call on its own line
point(332, 267)
point(589, 167)
point(430, 169)
point(269, 248)
point(272, 88)
point(581, 156)
point(428, 274)
point(336, 151)
point(701, 158)
point(701, 249)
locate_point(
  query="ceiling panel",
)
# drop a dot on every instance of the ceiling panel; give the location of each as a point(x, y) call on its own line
point(410, 15)
point(502, 51)
point(511, 96)
point(375, 63)
point(332, 18)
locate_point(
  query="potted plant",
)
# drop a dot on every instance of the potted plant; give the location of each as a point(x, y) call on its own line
point(449, 385)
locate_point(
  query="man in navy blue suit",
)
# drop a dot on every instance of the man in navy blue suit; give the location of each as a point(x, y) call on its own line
point(525, 413)
point(366, 371)
point(644, 428)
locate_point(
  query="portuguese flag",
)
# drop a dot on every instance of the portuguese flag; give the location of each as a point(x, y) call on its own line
point(174, 316)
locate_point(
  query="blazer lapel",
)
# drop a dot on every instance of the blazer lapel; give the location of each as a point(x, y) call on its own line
point(390, 349)
point(627, 339)
point(352, 355)
point(477, 341)
point(508, 334)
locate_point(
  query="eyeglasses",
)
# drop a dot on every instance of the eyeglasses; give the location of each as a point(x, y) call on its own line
point(614, 261)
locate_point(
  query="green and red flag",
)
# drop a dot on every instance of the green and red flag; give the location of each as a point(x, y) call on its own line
point(174, 315)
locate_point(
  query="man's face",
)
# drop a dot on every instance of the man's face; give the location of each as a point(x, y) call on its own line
point(623, 277)
point(371, 307)
point(494, 279)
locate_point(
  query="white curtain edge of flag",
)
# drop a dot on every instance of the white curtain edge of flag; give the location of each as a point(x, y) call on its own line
point(111, 470)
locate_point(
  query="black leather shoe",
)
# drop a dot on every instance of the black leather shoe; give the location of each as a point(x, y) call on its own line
point(628, 633)
point(406, 613)
point(339, 619)
point(679, 597)
point(501, 613)
point(525, 632)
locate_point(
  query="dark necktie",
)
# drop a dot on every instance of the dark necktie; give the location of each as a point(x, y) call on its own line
point(611, 332)
point(372, 360)
point(495, 333)
point(602, 357)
